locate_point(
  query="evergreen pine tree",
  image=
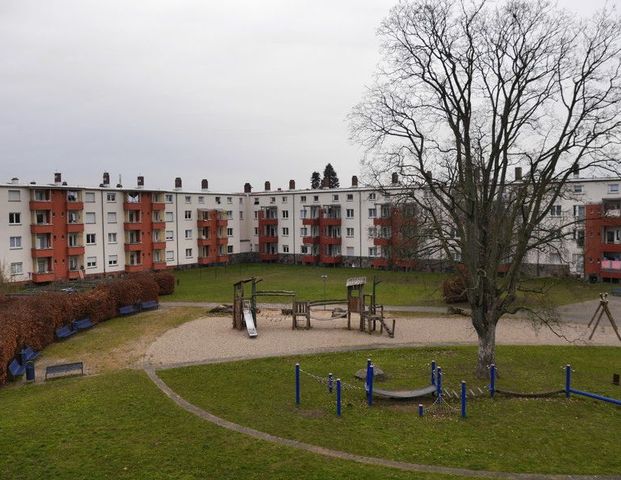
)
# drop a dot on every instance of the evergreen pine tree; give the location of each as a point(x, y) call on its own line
point(315, 180)
point(329, 174)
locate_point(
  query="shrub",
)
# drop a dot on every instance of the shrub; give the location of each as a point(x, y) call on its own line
point(166, 282)
point(454, 290)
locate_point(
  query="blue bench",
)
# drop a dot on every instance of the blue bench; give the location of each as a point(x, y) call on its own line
point(16, 369)
point(27, 354)
point(128, 310)
point(65, 331)
point(82, 324)
point(149, 305)
point(616, 292)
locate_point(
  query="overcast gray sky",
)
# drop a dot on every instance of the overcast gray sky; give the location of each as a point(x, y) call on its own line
point(231, 91)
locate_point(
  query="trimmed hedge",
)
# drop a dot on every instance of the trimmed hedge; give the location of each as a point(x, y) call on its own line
point(33, 320)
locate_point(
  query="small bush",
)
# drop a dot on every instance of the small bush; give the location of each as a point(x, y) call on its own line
point(454, 290)
point(166, 282)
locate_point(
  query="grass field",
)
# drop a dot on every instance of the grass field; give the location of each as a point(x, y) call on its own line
point(544, 435)
point(215, 284)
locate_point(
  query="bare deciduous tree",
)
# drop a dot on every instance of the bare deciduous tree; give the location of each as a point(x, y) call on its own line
point(466, 92)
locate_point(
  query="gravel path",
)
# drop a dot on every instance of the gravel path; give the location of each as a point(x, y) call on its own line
point(212, 339)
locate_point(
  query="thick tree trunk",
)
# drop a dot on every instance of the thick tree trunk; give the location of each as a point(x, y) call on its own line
point(484, 321)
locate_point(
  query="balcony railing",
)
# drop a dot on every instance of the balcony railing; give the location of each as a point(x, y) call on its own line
point(611, 265)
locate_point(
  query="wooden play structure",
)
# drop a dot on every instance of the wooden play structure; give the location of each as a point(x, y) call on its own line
point(602, 309)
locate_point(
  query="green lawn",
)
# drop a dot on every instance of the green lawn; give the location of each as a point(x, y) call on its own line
point(215, 284)
point(577, 436)
point(120, 426)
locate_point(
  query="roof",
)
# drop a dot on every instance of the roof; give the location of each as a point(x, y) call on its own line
point(356, 281)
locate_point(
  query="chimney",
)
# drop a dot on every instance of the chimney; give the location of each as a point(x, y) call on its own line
point(178, 183)
point(204, 184)
point(324, 182)
point(14, 181)
point(58, 178)
point(119, 185)
point(291, 184)
point(247, 188)
point(518, 173)
point(395, 178)
point(140, 181)
point(267, 186)
point(106, 179)
point(575, 169)
point(354, 181)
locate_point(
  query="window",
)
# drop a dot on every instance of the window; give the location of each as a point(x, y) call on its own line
point(613, 188)
point(372, 232)
point(349, 213)
point(579, 211)
point(350, 251)
point(241, 215)
point(15, 243)
point(303, 213)
point(285, 214)
point(303, 232)
point(89, 197)
point(170, 235)
point(112, 237)
point(303, 198)
point(73, 217)
point(229, 249)
point(303, 249)
point(315, 198)
point(170, 255)
point(42, 217)
point(201, 199)
point(350, 232)
point(284, 199)
point(15, 218)
point(218, 200)
point(168, 197)
point(111, 217)
point(91, 262)
point(555, 211)
point(72, 196)
point(285, 231)
point(188, 214)
point(256, 230)
point(14, 196)
point(188, 199)
point(578, 188)
point(73, 263)
point(285, 249)
point(350, 197)
point(229, 200)
point(113, 260)
point(372, 251)
point(17, 268)
point(111, 197)
point(272, 199)
point(256, 214)
point(335, 198)
point(188, 234)
point(89, 217)
point(42, 195)
point(169, 216)
point(188, 253)
point(372, 196)
point(90, 238)
point(72, 239)
point(372, 212)
point(256, 201)
point(229, 214)
point(229, 232)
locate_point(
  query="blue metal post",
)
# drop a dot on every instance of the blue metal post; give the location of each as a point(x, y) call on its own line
point(492, 380)
point(420, 409)
point(330, 382)
point(370, 393)
point(433, 372)
point(567, 380)
point(463, 399)
point(439, 382)
point(297, 383)
point(338, 397)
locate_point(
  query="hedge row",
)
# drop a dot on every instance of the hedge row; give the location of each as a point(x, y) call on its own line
point(32, 320)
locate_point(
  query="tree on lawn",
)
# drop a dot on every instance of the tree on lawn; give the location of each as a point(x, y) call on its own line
point(330, 177)
point(315, 180)
point(469, 95)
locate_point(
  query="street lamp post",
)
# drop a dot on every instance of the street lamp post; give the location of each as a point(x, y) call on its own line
point(324, 278)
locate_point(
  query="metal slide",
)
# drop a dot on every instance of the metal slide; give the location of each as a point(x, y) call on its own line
point(252, 330)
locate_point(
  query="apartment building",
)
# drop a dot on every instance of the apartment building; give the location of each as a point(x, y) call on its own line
point(58, 231)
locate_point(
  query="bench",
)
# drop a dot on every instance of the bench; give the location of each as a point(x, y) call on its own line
point(16, 369)
point(128, 310)
point(82, 324)
point(616, 292)
point(149, 305)
point(27, 354)
point(65, 332)
point(64, 369)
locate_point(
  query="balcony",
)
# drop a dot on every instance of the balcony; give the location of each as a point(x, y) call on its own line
point(330, 259)
point(42, 228)
point(42, 277)
point(331, 221)
point(159, 245)
point(268, 257)
point(159, 265)
point(223, 258)
point(206, 242)
point(134, 247)
point(327, 240)
point(382, 221)
point(134, 268)
point(158, 225)
point(381, 241)
point(158, 206)
point(611, 247)
point(211, 259)
point(268, 239)
point(42, 252)
point(312, 240)
point(268, 221)
point(132, 226)
point(72, 206)
point(75, 227)
point(310, 259)
point(310, 221)
point(222, 241)
point(40, 205)
point(73, 274)
point(222, 222)
point(379, 262)
point(205, 223)
point(611, 265)
point(72, 251)
point(132, 206)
